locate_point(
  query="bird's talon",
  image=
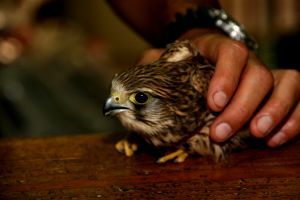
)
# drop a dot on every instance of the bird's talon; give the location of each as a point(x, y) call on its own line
point(134, 147)
point(123, 146)
point(120, 146)
point(180, 155)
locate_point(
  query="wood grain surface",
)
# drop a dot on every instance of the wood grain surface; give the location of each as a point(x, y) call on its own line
point(88, 167)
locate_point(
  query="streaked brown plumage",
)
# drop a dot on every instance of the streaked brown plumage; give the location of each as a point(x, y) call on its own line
point(165, 102)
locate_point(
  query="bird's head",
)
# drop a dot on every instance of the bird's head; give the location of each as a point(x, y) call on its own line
point(122, 100)
point(147, 98)
point(138, 107)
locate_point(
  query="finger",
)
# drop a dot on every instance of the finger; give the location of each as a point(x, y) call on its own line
point(255, 84)
point(149, 56)
point(288, 131)
point(284, 97)
point(231, 57)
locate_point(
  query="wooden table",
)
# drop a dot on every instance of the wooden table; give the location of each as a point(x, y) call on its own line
point(88, 167)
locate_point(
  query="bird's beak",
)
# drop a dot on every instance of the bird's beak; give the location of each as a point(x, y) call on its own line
point(111, 107)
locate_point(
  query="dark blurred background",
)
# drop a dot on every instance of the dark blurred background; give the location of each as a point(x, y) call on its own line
point(57, 58)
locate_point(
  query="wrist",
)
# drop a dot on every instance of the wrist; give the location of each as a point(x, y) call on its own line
point(196, 33)
point(203, 20)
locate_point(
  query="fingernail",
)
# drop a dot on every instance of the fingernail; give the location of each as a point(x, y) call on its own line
point(264, 124)
point(278, 139)
point(223, 131)
point(220, 99)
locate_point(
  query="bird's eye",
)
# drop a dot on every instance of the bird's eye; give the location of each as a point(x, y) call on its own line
point(139, 98)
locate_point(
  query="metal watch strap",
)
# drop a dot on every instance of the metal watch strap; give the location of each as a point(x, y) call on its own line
point(208, 18)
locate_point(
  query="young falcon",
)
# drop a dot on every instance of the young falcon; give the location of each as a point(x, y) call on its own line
point(165, 103)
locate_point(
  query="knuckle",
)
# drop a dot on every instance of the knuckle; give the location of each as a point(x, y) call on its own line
point(150, 52)
point(149, 55)
point(228, 82)
point(293, 75)
point(290, 74)
point(290, 79)
point(238, 47)
point(265, 72)
point(242, 114)
point(264, 76)
point(280, 107)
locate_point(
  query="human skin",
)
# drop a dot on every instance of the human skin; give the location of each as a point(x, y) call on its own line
point(242, 89)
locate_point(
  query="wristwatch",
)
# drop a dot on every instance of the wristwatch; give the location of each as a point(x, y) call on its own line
point(208, 18)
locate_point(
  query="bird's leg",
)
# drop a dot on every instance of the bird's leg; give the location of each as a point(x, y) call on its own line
point(125, 147)
point(179, 156)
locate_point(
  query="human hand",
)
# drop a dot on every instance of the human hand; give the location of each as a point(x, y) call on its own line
point(240, 88)
point(281, 111)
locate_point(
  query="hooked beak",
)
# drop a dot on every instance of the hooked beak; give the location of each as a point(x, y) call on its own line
point(111, 107)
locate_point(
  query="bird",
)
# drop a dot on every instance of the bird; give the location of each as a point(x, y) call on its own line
point(164, 102)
